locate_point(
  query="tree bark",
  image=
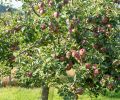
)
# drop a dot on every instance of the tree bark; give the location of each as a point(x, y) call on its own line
point(76, 97)
point(45, 92)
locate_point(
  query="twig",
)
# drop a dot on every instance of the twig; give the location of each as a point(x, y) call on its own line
point(31, 4)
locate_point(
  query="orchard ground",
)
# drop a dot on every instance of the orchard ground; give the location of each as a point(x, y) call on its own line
point(17, 93)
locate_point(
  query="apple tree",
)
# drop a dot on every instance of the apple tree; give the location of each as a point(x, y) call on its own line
point(72, 45)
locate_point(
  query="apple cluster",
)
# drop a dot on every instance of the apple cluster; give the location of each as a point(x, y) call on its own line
point(52, 26)
point(50, 3)
point(102, 25)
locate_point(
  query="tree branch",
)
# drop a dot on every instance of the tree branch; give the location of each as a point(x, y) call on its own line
point(32, 6)
point(39, 42)
point(2, 20)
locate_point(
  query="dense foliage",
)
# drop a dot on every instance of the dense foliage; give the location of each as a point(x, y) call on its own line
point(72, 45)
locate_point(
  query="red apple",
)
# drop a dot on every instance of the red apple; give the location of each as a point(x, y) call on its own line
point(88, 65)
point(29, 74)
point(62, 58)
point(68, 54)
point(110, 86)
point(96, 72)
point(103, 49)
point(43, 26)
point(69, 66)
point(79, 91)
point(82, 52)
point(76, 55)
point(102, 30)
point(107, 34)
point(73, 52)
point(109, 26)
point(70, 30)
point(40, 5)
point(94, 66)
point(41, 11)
point(105, 20)
point(98, 30)
point(56, 14)
point(50, 3)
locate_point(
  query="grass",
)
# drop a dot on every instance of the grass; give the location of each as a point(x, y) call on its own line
point(19, 94)
point(13, 93)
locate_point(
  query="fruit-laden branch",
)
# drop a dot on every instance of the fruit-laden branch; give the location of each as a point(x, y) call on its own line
point(32, 6)
point(15, 29)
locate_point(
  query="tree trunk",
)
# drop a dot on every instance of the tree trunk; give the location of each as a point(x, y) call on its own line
point(45, 92)
point(76, 97)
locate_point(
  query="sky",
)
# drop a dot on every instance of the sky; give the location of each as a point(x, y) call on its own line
point(14, 3)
